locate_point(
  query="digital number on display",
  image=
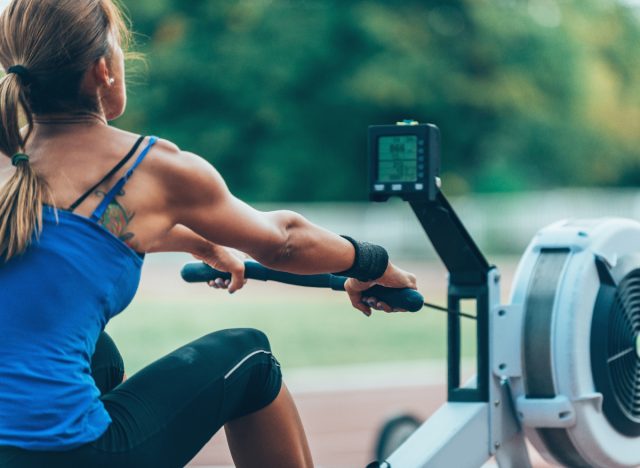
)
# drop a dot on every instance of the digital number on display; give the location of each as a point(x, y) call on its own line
point(398, 158)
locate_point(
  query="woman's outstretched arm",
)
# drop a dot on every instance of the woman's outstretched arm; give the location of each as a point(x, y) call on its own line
point(197, 197)
point(200, 200)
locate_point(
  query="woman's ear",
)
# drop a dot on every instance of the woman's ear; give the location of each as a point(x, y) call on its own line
point(101, 73)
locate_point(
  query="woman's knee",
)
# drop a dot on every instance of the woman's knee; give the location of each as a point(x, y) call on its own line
point(253, 378)
point(238, 340)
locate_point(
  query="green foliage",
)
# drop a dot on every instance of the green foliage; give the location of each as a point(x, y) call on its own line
point(278, 94)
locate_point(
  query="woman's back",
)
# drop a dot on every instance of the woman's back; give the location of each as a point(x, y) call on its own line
point(71, 158)
point(56, 299)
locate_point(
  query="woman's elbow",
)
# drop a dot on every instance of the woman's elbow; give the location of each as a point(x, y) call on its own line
point(286, 240)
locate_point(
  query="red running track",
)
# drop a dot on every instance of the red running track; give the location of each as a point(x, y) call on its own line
point(342, 425)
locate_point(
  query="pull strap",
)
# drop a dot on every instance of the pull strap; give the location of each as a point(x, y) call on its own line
point(118, 166)
point(116, 189)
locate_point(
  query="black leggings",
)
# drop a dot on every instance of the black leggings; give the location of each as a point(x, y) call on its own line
point(164, 414)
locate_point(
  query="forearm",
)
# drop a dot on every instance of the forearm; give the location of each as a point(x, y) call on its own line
point(306, 248)
point(183, 239)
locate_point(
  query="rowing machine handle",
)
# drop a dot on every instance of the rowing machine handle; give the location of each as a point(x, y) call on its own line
point(407, 299)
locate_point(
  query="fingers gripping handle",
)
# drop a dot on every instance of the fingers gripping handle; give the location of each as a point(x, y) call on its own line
point(407, 299)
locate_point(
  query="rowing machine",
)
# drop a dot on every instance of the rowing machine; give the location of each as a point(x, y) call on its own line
point(559, 364)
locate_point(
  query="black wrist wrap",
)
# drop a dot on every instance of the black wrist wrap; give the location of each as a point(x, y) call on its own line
point(370, 261)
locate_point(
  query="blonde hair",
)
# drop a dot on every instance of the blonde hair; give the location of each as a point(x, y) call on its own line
point(52, 43)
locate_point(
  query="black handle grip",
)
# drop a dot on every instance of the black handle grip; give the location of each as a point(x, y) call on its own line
point(407, 299)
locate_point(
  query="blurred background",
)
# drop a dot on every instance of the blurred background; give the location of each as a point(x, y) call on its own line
point(528, 94)
point(538, 102)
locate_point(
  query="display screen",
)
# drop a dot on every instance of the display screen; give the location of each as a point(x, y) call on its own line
point(398, 158)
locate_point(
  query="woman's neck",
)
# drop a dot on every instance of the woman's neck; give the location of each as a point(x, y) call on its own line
point(83, 118)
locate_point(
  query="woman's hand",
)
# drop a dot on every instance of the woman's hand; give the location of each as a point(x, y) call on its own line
point(393, 278)
point(182, 239)
point(227, 260)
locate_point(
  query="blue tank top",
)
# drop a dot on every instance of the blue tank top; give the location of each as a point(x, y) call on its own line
point(55, 299)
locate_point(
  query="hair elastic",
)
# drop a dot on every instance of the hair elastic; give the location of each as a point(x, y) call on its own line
point(18, 158)
point(22, 72)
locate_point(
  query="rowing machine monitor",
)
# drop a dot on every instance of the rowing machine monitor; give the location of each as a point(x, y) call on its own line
point(404, 161)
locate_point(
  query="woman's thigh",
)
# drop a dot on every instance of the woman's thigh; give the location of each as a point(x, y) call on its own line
point(164, 414)
point(107, 366)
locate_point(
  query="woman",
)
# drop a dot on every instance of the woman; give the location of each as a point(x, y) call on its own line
point(75, 221)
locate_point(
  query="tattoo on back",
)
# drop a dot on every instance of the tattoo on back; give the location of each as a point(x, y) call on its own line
point(116, 220)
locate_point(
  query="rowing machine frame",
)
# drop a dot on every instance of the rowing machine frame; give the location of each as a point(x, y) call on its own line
point(479, 419)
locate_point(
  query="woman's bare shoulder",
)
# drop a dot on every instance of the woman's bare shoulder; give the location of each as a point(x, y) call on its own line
point(185, 174)
point(166, 149)
point(173, 161)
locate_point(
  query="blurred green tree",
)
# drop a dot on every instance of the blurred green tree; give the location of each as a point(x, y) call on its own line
point(277, 94)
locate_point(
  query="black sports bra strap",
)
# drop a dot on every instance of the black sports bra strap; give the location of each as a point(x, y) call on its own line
point(118, 166)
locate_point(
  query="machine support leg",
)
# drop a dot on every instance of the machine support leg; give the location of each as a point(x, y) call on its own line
point(513, 453)
point(456, 435)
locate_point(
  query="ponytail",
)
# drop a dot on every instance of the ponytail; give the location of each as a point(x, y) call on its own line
point(22, 195)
